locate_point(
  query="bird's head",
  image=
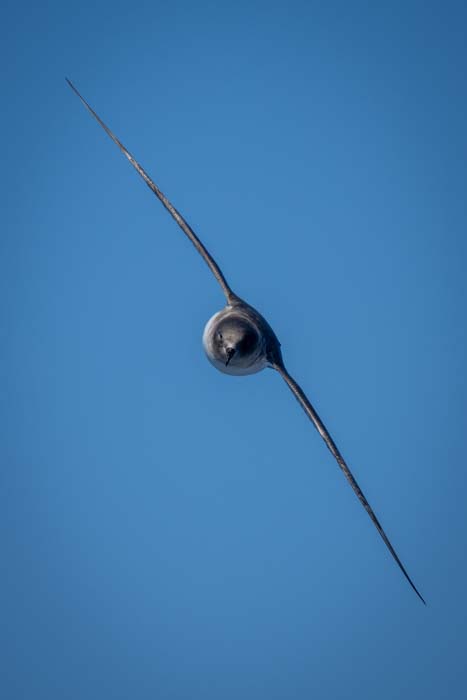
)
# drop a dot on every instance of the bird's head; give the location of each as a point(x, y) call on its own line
point(233, 343)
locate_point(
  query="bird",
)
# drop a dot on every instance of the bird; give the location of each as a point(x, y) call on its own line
point(239, 341)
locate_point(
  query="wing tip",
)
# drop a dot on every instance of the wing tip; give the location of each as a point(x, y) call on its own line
point(73, 88)
point(420, 596)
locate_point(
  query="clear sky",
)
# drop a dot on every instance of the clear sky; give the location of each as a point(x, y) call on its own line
point(171, 532)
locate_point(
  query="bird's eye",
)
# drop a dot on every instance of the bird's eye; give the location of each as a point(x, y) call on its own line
point(219, 335)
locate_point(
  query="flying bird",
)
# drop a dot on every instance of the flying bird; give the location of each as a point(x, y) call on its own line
point(238, 340)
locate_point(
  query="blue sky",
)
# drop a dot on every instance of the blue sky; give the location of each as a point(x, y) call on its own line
point(171, 532)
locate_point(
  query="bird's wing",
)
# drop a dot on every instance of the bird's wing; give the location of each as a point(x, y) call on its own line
point(213, 266)
point(319, 425)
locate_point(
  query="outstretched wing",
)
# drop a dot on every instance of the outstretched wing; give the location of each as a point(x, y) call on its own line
point(213, 266)
point(319, 425)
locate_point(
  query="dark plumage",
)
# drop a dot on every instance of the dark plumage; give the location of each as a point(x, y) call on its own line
point(238, 340)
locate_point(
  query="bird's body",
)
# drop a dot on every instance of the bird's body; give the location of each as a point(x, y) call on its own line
point(239, 341)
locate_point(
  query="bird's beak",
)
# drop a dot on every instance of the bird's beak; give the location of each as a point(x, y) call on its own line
point(230, 353)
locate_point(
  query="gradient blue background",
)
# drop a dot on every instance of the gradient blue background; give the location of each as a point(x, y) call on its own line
point(170, 532)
